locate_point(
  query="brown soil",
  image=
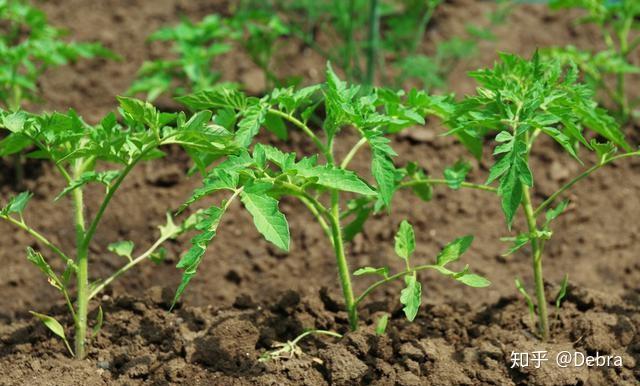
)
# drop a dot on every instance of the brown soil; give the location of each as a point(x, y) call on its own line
point(247, 295)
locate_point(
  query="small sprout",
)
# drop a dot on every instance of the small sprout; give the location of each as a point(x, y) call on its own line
point(291, 349)
point(381, 325)
point(562, 292)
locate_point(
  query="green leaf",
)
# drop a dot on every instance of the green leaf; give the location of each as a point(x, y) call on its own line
point(51, 324)
point(405, 241)
point(382, 167)
point(452, 251)
point(362, 213)
point(563, 291)
point(268, 219)
point(511, 191)
point(99, 321)
point(381, 325)
point(411, 296)
point(276, 125)
point(552, 214)
point(190, 261)
point(13, 143)
point(170, 230)
point(456, 174)
point(604, 150)
point(335, 178)
point(15, 122)
point(250, 124)
point(383, 271)
point(17, 203)
point(518, 242)
point(473, 280)
point(122, 248)
point(140, 111)
point(105, 178)
point(215, 98)
point(39, 261)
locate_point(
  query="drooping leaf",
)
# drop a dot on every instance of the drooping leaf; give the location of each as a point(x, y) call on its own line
point(190, 261)
point(52, 324)
point(411, 296)
point(268, 219)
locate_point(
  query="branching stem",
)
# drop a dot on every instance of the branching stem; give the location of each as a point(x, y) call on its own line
point(580, 177)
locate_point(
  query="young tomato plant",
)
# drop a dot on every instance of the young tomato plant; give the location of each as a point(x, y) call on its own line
point(28, 47)
point(619, 24)
point(104, 154)
point(261, 177)
point(518, 100)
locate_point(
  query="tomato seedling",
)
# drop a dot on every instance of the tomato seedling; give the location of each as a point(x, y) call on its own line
point(104, 154)
point(518, 100)
point(261, 177)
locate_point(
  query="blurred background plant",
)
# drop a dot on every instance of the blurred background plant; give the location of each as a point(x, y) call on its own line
point(371, 41)
point(607, 70)
point(29, 46)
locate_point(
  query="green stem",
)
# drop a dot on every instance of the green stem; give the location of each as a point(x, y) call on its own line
point(82, 270)
point(38, 236)
point(302, 127)
point(536, 249)
point(422, 27)
point(580, 177)
point(341, 260)
point(104, 283)
point(312, 205)
point(393, 277)
point(88, 235)
point(432, 181)
point(374, 32)
point(352, 153)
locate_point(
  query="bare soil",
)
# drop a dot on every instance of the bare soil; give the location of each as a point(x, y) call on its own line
point(248, 296)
